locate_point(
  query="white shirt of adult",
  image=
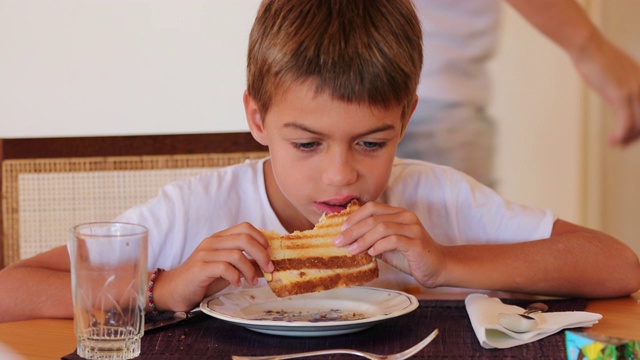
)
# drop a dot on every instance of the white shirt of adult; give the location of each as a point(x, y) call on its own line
point(459, 37)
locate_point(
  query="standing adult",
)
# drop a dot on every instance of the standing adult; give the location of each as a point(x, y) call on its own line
point(451, 126)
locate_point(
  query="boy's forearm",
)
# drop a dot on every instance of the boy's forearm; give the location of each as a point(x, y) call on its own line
point(569, 265)
point(30, 293)
point(563, 21)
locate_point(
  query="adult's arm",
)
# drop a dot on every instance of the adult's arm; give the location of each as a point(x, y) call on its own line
point(605, 68)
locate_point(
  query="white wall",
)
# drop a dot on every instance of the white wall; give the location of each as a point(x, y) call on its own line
point(105, 67)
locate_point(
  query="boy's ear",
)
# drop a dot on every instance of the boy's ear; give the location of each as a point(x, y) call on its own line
point(254, 119)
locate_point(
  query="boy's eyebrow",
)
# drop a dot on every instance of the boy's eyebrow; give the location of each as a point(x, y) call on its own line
point(369, 132)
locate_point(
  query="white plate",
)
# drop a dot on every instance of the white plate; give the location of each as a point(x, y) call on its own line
point(333, 312)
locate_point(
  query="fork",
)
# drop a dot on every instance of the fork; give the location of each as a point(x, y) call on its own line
point(399, 356)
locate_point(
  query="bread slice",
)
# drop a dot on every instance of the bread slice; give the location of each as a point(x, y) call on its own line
point(308, 261)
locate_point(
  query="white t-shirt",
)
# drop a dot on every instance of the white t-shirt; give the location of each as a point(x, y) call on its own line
point(454, 208)
point(459, 37)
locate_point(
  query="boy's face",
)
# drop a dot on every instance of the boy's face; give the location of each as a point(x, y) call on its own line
point(324, 152)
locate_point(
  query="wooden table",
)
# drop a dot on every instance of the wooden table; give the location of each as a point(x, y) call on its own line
point(620, 317)
point(52, 339)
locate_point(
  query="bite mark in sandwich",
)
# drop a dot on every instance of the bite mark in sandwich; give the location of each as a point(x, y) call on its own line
point(308, 261)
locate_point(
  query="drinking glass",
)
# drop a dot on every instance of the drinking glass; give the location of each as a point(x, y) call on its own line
point(108, 277)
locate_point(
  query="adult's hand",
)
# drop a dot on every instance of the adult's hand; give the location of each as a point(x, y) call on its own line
point(616, 78)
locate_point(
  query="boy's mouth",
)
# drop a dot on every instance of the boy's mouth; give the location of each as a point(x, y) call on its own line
point(334, 206)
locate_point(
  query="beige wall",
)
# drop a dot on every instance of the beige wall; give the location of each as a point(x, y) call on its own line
point(537, 107)
point(618, 185)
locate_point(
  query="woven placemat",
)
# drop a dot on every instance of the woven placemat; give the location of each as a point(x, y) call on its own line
point(204, 337)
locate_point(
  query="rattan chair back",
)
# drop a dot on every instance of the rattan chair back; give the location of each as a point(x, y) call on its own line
point(43, 198)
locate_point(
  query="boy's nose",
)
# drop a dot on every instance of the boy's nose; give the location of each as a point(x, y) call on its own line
point(339, 171)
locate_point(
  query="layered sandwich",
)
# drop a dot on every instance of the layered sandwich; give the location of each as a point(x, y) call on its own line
point(308, 261)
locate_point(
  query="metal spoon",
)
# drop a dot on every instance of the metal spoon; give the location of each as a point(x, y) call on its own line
point(522, 322)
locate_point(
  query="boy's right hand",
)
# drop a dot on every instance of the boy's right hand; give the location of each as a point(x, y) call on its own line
point(396, 236)
point(218, 261)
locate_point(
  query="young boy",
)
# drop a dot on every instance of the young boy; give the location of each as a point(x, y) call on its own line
point(331, 86)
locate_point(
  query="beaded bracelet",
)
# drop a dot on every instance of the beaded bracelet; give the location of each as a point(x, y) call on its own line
point(152, 281)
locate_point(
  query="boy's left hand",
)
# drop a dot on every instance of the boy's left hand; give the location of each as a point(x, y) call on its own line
point(397, 236)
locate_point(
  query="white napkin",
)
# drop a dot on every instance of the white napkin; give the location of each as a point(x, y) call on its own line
point(483, 312)
point(8, 354)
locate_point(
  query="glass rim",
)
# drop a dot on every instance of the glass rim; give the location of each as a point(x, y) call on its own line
point(77, 229)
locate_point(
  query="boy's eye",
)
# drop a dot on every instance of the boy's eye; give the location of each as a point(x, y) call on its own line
point(305, 145)
point(372, 145)
point(312, 145)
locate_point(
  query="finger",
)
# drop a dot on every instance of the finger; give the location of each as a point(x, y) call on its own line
point(421, 259)
point(228, 264)
point(366, 211)
point(361, 235)
point(381, 231)
point(202, 274)
point(398, 260)
point(400, 252)
point(245, 242)
point(624, 114)
point(628, 115)
point(245, 228)
point(635, 134)
point(363, 219)
point(225, 271)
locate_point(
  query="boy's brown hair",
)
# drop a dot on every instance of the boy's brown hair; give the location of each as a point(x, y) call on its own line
point(358, 51)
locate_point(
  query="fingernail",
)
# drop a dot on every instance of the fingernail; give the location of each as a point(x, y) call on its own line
point(344, 227)
point(353, 248)
point(339, 240)
point(270, 267)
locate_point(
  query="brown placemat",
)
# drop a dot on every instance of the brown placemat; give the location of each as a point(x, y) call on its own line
point(204, 337)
